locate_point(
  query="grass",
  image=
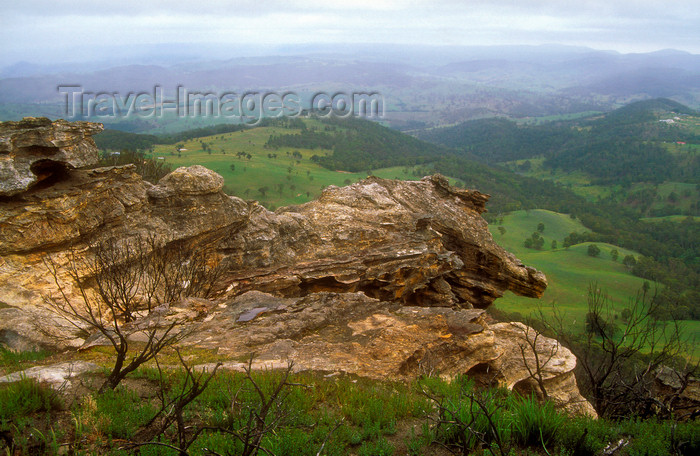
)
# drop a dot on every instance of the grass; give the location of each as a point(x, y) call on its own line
point(346, 414)
point(285, 180)
point(568, 271)
point(12, 361)
point(25, 397)
point(11, 357)
point(534, 423)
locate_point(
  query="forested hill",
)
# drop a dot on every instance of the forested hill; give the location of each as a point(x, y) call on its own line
point(359, 145)
point(628, 145)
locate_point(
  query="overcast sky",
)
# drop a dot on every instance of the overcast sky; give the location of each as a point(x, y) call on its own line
point(45, 30)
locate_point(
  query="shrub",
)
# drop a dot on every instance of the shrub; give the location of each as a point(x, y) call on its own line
point(584, 436)
point(593, 250)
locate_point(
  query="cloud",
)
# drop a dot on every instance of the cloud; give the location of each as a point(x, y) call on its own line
point(29, 26)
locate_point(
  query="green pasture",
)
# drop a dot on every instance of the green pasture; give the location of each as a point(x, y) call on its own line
point(569, 271)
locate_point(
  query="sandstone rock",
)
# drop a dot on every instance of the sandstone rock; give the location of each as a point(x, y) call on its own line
point(352, 333)
point(193, 180)
point(56, 375)
point(89, 206)
point(35, 328)
point(677, 392)
point(33, 149)
point(518, 366)
point(418, 243)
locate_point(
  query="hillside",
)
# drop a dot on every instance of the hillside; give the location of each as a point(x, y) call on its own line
point(566, 268)
point(624, 154)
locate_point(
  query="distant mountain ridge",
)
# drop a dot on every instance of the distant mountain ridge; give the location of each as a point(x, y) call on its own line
point(428, 85)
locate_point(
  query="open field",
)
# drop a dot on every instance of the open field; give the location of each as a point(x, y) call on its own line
point(272, 176)
point(569, 271)
point(677, 197)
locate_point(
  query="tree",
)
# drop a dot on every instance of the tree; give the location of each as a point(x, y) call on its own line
point(535, 241)
point(554, 244)
point(263, 190)
point(616, 364)
point(614, 254)
point(540, 227)
point(233, 167)
point(593, 250)
point(630, 261)
point(502, 230)
point(105, 313)
point(536, 353)
point(117, 281)
point(173, 408)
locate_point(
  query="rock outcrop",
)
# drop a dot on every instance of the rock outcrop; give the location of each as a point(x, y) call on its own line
point(381, 278)
point(419, 243)
point(34, 149)
point(350, 332)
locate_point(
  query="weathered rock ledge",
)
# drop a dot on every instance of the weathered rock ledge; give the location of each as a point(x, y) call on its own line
point(33, 149)
point(381, 278)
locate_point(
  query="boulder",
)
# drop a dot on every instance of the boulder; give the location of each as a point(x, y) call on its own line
point(192, 180)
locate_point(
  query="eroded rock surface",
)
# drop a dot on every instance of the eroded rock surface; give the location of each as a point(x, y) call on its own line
point(419, 243)
point(383, 278)
point(34, 149)
point(58, 376)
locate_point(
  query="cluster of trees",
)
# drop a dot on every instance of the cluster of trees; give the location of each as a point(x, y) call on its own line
point(535, 241)
point(305, 139)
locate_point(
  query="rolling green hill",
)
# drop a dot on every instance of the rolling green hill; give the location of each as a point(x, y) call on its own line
point(568, 271)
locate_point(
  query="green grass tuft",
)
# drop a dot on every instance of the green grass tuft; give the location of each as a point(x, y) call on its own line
point(23, 398)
